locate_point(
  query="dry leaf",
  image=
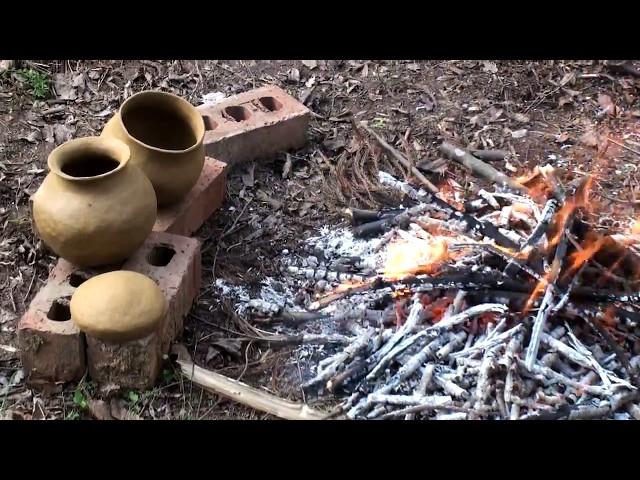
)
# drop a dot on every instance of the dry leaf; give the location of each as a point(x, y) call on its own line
point(563, 137)
point(287, 167)
point(34, 137)
point(310, 64)
point(564, 100)
point(590, 139)
point(63, 133)
point(293, 75)
point(248, 176)
point(490, 67)
point(99, 410)
point(568, 78)
point(607, 104)
point(520, 117)
point(64, 87)
point(119, 410)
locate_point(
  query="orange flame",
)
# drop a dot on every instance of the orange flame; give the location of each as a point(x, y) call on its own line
point(581, 200)
point(537, 291)
point(580, 257)
point(635, 229)
point(414, 256)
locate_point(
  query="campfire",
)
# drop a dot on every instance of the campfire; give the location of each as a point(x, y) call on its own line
point(511, 307)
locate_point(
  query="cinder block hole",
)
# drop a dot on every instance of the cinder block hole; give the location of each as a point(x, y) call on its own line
point(209, 123)
point(78, 278)
point(270, 103)
point(160, 255)
point(59, 311)
point(89, 165)
point(237, 113)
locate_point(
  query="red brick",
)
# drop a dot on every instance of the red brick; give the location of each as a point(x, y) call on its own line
point(241, 128)
point(199, 204)
point(134, 364)
point(51, 350)
point(179, 279)
point(54, 351)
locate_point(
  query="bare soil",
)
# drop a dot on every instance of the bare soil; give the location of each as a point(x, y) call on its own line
point(580, 116)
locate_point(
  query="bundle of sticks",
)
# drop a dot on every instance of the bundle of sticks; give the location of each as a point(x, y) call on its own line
point(512, 308)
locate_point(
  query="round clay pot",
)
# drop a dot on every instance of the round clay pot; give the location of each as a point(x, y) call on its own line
point(118, 306)
point(94, 208)
point(165, 135)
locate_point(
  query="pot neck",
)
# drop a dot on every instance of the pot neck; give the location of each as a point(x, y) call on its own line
point(89, 159)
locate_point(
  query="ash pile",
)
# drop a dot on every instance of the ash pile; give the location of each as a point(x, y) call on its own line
point(510, 307)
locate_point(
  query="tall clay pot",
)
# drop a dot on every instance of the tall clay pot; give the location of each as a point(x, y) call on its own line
point(165, 135)
point(94, 208)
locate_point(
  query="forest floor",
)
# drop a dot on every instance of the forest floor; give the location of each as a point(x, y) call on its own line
point(579, 116)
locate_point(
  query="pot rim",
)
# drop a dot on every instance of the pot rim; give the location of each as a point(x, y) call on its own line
point(168, 95)
point(114, 148)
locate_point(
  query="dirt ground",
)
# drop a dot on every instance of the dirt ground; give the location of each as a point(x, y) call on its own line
point(580, 116)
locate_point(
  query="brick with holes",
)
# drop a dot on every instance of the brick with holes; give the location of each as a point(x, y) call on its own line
point(173, 261)
point(204, 198)
point(254, 125)
point(52, 347)
point(134, 364)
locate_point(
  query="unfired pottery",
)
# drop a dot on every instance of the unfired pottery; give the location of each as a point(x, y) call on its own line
point(94, 208)
point(165, 134)
point(118, 306)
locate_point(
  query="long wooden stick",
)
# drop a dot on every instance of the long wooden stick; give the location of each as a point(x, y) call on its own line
point(400, 158)
point(479, 167)
point(243, 393)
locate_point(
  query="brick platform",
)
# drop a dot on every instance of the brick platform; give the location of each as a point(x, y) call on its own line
point(53, 348)
point(174, 263)
point(204, 198)
point(134, 364)
point(253, 125)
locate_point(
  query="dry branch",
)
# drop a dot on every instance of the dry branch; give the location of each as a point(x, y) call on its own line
point(479, 167)
point(243, 393)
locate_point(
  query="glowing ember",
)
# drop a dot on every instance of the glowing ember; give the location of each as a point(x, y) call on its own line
point(412, 256)
point(635, 229)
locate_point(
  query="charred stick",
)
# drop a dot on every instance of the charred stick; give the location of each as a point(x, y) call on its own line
point(401, 220)
point(432, 401)
point(486, 344)
point(339, 359)
point(302, 339)
point(359, 216)
point(356, 367)
point(411, 411)
point(413, 364)
point(480, 168)
point(466, 315)
point(558, 377)
point(470, 223)
point(490, 155)
point(511, 260)
point(450, 387)
point(546, 305)
point(537, 234)
point(381, 355)
point(483, 387)
point(322, 274)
